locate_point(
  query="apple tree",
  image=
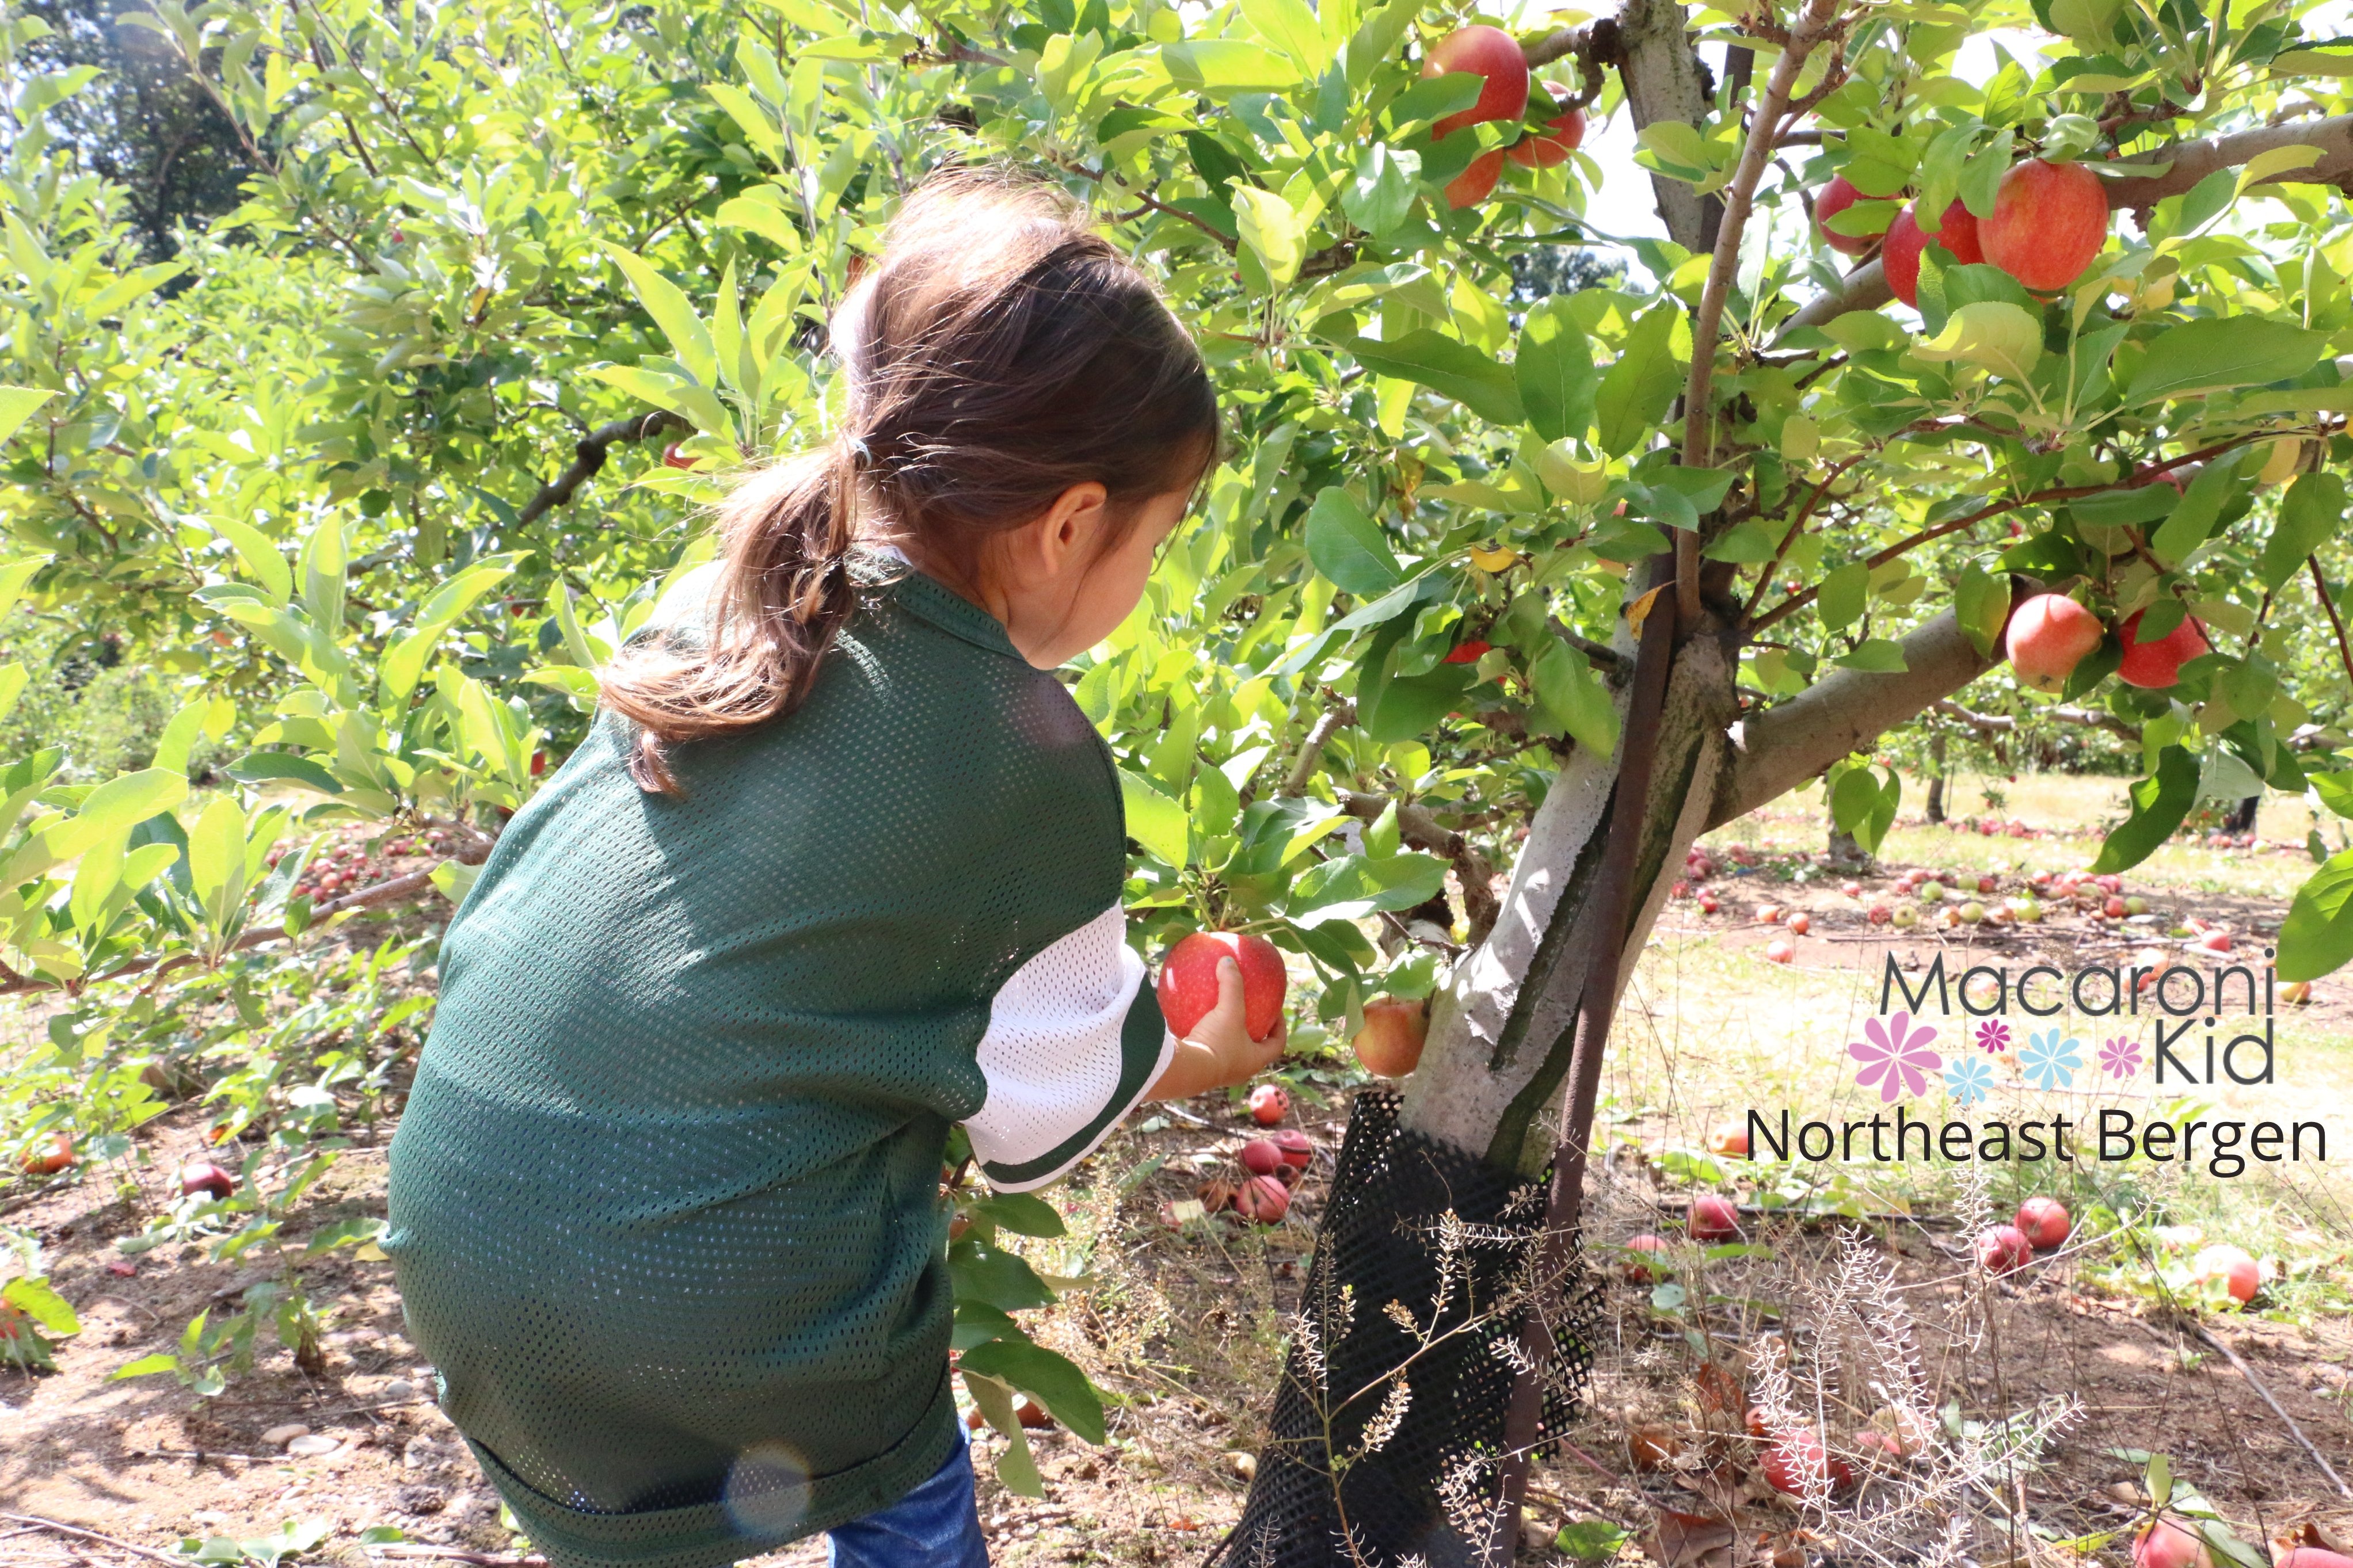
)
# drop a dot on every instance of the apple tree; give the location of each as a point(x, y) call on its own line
point(1495, 575)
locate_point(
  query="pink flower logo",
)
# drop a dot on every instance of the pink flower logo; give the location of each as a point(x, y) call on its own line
point(1993, 1036)
point(1896, 1057)
point(2120, 1058)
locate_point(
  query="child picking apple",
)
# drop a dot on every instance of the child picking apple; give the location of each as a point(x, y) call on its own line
point(837, 868)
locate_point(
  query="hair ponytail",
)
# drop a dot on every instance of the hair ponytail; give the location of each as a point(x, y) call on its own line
point(997, 353)
point(783, 592)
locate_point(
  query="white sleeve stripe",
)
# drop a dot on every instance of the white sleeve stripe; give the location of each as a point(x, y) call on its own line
point(1054, 1055)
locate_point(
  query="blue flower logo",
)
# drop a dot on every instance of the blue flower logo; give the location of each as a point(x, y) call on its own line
point(1968, 1079)
point(2051, 1059)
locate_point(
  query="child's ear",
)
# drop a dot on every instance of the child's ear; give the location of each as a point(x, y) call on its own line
point(1070, 532)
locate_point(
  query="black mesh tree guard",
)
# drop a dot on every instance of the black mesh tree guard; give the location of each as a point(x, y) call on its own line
point(1447, 1239)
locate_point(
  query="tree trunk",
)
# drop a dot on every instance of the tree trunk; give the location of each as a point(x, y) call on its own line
point(1937, 777)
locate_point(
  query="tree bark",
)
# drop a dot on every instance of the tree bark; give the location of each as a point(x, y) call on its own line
point(1937, 778)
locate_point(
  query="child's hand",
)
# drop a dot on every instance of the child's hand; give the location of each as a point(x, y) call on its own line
point(1219, 1053)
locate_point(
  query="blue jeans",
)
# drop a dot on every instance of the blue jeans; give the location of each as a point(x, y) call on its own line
point(937, 1525)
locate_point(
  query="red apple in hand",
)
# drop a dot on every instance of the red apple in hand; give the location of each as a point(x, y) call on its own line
point(1470, 187)
point(1836, 197)
point(1562, 134)
point(2043, 1222)
point(1899, 255)
point(2049, 221)
point(1188, 981)
point(1489, 52)
point(2049, 636)
point(2156, 664)
point(1389, 1045)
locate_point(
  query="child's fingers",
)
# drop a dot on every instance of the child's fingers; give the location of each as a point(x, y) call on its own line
point(1228, 1010)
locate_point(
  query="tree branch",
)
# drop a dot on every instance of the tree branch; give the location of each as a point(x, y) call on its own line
point(2320, 586)
point(589, 460)
point(1335, 718)
point(1988, 725)
point(1424, 832)
point(1778, 749)
point(1765, 127)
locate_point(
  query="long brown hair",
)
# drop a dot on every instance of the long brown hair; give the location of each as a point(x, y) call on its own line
point(997, 353)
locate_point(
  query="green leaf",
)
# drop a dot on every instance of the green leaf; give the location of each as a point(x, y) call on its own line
point(216, 860)
point(1272, 230)
point(2194, 515)
point(283, 767)
point(1447, 366)
point(690, 340)
point(1635, 393)
point(1154, 820)
point(1554, 369)
point(994, 1277)
point(1381, 192)
point(323, 565)
point(2206, 355)
point(1052, 1379)
point(13, 576)
point(145, 1366)
point(1292, 27)
point(1844, 595)
point(1981, 603)
point(2309, 515)
point(2317, 937)
point(1576, 698)
point(115, 807)
point(1876, 656)
point(1221, 67)
point(1992, 334)
point(1017, 1469)
point(1347, 546)
point(1024, 1214)
point(13, 678)
point(18, 404)
point(2158, 804)
point(2336, 791)
point(1350, 887)
point(44, 1306)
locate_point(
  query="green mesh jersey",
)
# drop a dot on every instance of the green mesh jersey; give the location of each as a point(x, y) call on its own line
point(665, 1199)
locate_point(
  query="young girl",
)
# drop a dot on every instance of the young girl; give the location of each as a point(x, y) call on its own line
point(839, 868)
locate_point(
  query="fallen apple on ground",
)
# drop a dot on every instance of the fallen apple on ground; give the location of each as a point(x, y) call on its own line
point(1801, 923)
point(49, 1157)
point(2044, 1222)
point(2233, 1266)
point(1298, 1149)
point(202, 1175)
point(1264, 1199)
point(1636, 1269)
point(2003, 1249)
point(1262, 1157)
point(1728, 1138)
point(1779, 951)
point(2165, 1544)
point(1800, 1460)
point(1268, 1103)
point(1711, 1218)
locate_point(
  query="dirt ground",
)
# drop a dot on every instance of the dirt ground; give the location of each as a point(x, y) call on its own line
point(1184, 1326)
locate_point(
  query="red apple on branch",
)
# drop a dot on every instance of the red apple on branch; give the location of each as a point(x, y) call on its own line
point(1834, 199)
point(1488, 52)
point(1562, 134)
point(2049, 636)
point(1389, 1045)
point(2049, 220)
point(2156, 663)
point(1470, 187)
point(1899, 254)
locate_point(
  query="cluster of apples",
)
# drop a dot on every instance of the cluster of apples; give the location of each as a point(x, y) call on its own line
point(2051, 634)
point(2169, 1542)
point(1493, 56)
point(1272, 1167)
point(347, 866)
point(2049, 221)
point(2040, 1225)
point(1991, 827)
